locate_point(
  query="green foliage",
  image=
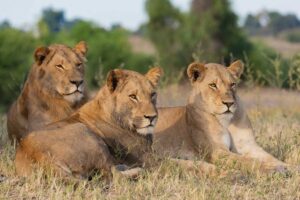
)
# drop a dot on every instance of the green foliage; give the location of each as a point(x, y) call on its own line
point(108, 49)
point(276, 75)
point(266, 68)
point(55, 20)
point(16, 50)
point(270, 23)
point(163, 30)
point(230, 38)
point(259, 57)
point(294, 73)
point(207, 34)
point(293, 36)
point(252, 24)
point(5, 24)
point(280, 22)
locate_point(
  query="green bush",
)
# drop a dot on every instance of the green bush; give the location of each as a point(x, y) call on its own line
point(108, 49)
point(208, 32)
point(258, 62)
point(294, 73)
point(293, 36)
point(266, 68)
point(16, 57)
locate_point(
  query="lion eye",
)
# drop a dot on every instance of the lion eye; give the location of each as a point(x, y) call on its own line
point(153, 96)
point(60, 66)
point(232, 85)
point(133, 97)
point(213, 85)
point(78, 65)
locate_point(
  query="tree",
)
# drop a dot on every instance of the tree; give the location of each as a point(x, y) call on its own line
point(208, 32)
point(280, 22)
point(163, 29)
point(5, 24)
point(252, 24)
point(217, 25)
point(270, 22)
point(55, 20)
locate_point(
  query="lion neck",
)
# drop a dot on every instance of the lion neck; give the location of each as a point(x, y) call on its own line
point(38, 105)
point(205, 126)
point(200, 111)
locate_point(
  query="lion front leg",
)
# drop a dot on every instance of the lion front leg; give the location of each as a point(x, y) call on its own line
point(244, 142)
point(108, 166)
point(223, 157)
point(196, 165)
point(23, 163)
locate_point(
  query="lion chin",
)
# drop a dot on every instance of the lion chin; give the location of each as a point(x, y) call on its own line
point(74, 97)
point(146, 130)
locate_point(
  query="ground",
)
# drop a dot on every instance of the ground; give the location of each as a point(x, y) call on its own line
point(275, 115)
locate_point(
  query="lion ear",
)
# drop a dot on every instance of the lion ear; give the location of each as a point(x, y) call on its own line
point(81, 48)
point(236, 69)
point(113, 79)
point(40, 54)
point(195, 71)
point(154, 74)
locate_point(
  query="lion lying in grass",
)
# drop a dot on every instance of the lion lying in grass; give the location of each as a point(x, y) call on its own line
point(115, 127)
point(214, 124)
point(53, 90)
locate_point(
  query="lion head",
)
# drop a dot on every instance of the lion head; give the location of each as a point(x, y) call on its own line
point(131, 99)
point(214, 87)
point(59, 71)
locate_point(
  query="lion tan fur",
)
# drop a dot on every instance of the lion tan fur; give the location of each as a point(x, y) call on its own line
point(115, 127)
point(53, 90)
point(213, 125)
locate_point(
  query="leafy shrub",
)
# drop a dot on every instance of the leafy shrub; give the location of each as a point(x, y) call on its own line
point(108, 49)
point(16, 57)
point(294, 73)
point(293, 36)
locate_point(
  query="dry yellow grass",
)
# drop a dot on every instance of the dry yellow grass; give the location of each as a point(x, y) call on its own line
point(281, 46)
point(275, 115)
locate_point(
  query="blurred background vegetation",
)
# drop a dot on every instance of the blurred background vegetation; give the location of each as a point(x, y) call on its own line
point(267, 41)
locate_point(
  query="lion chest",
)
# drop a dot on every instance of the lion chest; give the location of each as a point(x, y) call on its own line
point(225, 135)
point(226, 139)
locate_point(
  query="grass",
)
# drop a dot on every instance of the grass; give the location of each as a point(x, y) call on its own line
point(285, 48)
point(275, 115)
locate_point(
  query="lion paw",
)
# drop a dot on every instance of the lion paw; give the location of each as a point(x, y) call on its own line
point(126, 172)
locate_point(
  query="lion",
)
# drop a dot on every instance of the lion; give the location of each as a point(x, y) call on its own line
point(53, 90)
point(113, 128)
point(213, 125)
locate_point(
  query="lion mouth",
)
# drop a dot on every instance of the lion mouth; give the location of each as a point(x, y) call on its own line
point(227, 112)
point(75, 92)
point(145, 130)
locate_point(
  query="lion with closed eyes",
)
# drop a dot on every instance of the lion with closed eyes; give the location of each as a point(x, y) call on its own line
point(54, 89)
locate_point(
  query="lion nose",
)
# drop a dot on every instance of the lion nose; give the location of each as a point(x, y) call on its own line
point(228, 104)
point(151, 118)
point(77, 82)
